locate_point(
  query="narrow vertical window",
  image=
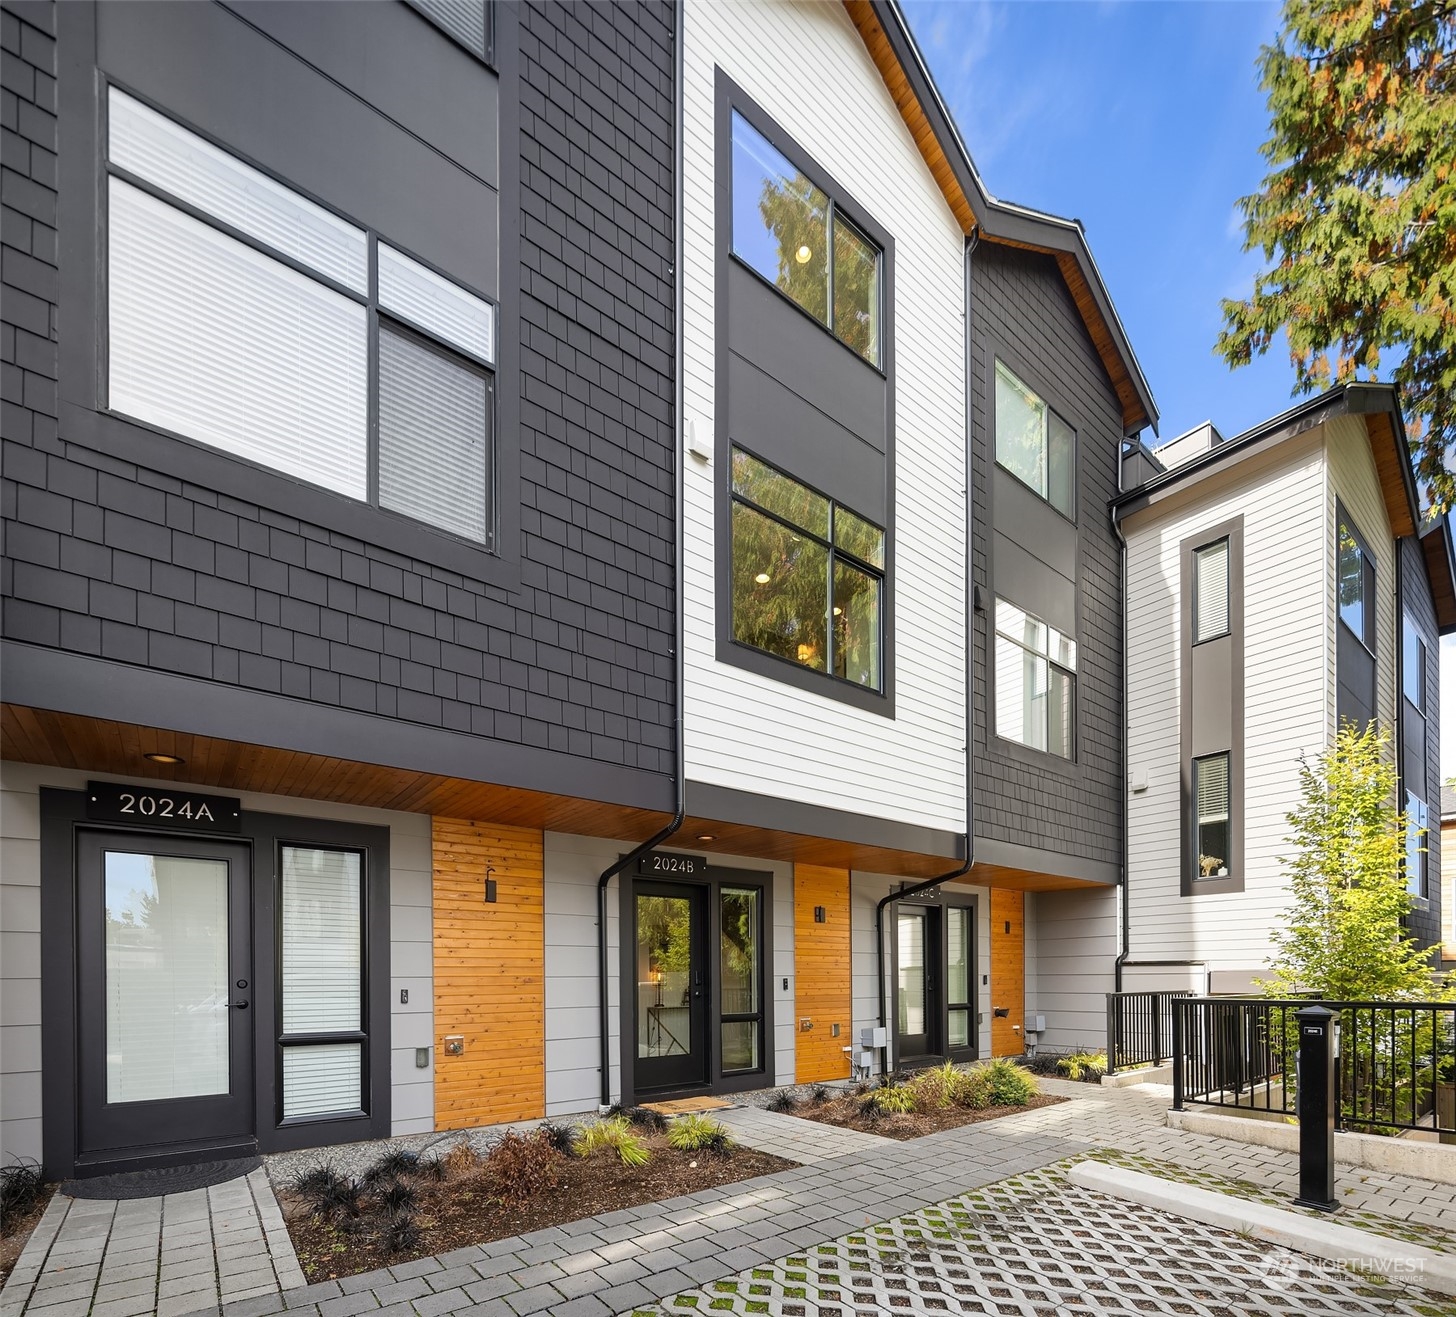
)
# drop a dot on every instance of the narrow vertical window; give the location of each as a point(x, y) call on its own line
point(958, 975)
point(1211, 592)
point(741, 1014)
point(1356, 584)
point(321, 909)
point(1418, 818)
point(1211, 795)
point(1413, 664)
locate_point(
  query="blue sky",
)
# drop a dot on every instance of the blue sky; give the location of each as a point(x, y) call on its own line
point(1143, 119)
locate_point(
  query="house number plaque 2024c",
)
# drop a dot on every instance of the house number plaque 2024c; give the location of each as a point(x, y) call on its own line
point(159, 807)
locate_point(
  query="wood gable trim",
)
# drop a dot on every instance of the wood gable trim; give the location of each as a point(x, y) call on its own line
point(932, 150)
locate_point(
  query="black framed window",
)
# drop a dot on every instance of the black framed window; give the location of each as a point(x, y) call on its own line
point(322, 1040)
point(1213, 820)
point(740, 978)
point(1036, 667)
point(1356, 575)
point(243, 315)
point(1211, 591)
point(1034, 444)
point(790, 231)
point(1413, 664)
point(1417, 825)
point(807, 575)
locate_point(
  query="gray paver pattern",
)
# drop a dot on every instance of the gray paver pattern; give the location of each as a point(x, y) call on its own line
point(1034, 1245)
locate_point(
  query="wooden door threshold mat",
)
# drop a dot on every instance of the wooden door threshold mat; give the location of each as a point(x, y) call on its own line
point(682, 1106)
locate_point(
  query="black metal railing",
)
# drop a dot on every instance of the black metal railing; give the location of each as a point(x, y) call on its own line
point(1139, 1028)
point(1395, 1065)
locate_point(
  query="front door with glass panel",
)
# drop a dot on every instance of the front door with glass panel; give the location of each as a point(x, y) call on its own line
point(165, 1037)
point(916, 1013)
point(671, 988)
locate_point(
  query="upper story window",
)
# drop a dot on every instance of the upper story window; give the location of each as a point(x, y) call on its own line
point(248, 317)
point(1413, 664)
point(1034, 444)
point(1356, 573)
point(1418, 821)
point(808, 575)
point(1036, 681)
point(790, 231)
point(468, 22)
point(1211, 591)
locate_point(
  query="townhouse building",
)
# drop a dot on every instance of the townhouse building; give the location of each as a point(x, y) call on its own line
point(1281, 583)
point(550, 558)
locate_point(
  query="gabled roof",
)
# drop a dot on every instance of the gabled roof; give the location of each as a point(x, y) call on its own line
point(887, 37)
point(1448, 804)
point(1379, 406)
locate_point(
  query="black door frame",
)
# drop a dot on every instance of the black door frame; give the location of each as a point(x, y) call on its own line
point(63, 821)
point(690, 1069)
point(712, 879)
point(940, 1025)
point(119, 1130)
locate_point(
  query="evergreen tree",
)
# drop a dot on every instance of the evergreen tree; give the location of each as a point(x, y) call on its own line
point(1357, 218)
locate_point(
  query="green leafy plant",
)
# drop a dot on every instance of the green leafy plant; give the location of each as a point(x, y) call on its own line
point(615, 1135)
point(1083, 1065)
point(699, 1133)
point(1009, 1084)
point(892, 1099)
point(941, 1086)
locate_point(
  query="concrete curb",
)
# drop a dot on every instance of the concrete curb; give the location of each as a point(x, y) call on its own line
point(1353, 1248)
point(1373, 1152)
point(1153, 1074)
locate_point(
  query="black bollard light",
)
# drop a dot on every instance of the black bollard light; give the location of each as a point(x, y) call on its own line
point(1315, 1107)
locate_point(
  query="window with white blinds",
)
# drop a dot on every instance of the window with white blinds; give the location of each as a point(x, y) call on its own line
point(465, 20)
point(1211, 591)
point(1211, 794)
point(321, 919)
point(239, 315)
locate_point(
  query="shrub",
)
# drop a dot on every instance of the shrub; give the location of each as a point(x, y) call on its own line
point(559, 1135)
point(1083, 1065)
point(941, 1086)
point(783, 1101)
point(1010, 1085)
point(395, 1163)
point(892, 1099)
point(524, 1164)
point(401, 1234)
point(329, 1196)
point(395, 1196)
point(613, 1134)
point(461, 1159)
point(21, 1183)
point(648, 1119)
point(818, 1095)
point(698, 1133)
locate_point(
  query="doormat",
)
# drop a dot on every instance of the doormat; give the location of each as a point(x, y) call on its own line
point(162, 1180)
point(683, 1106)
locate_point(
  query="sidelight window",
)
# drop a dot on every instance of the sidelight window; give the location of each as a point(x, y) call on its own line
point(321, 907)
point(741, 1007)
point(247, 317)
point(1211, 798)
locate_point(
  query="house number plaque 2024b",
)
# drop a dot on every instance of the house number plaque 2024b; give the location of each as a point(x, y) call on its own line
point(658, 865)
point(159, 807)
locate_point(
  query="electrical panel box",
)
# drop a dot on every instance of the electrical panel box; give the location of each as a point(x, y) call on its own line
point(1038, 1024)
point(874, 1038)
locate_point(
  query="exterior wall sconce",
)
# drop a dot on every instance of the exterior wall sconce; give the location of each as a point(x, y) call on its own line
point(489, 884)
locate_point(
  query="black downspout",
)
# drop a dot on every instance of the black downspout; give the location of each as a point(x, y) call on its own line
point(680, 772)
point(1125, 931)
point(969, 842)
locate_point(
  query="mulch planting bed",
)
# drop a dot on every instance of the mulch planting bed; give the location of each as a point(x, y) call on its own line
point(17, 1227)
point(847, 1112)
point(470, 1207)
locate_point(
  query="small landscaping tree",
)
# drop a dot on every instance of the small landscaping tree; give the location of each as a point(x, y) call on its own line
point(1342, 936)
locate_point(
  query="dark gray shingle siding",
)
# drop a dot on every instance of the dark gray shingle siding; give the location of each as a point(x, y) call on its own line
point(132, 565)
point(1019, 298)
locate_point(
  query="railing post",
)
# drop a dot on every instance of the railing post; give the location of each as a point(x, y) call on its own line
point(1315, 1104)
point(1158, 1027)
point(1177, 1058)
point(1111, 1033)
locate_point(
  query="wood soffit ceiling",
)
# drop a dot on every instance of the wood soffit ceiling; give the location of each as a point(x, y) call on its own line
point(104, 746)
point(871, 30)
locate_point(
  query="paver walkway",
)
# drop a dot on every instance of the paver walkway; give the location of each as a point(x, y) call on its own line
point(170, 1255)
point(847, 1184)
point(1036, 1245)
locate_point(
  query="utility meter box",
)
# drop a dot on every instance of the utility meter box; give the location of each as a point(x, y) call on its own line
point(1038, 1024)
point(874, 1038)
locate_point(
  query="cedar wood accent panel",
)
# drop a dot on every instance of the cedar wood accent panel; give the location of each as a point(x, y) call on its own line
point(490, 973)
point(1008, 971)
point(862, 14)
point(821, 973)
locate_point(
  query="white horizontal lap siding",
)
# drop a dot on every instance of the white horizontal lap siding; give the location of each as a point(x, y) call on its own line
point(1355, 483)
point(1282, 501)
point(748, 732)
point(1076, 944)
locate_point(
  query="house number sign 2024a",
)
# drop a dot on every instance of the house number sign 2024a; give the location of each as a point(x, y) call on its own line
point(116, 802)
